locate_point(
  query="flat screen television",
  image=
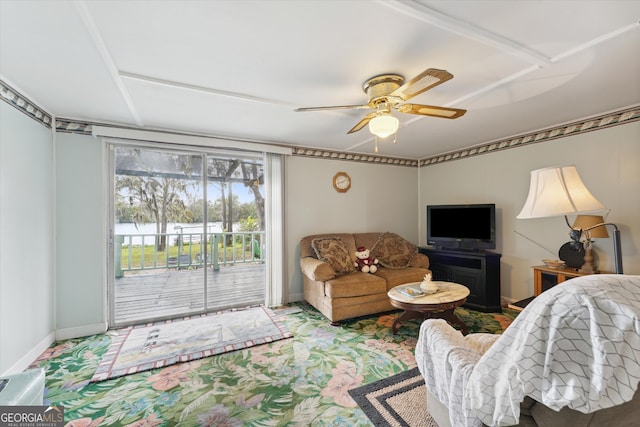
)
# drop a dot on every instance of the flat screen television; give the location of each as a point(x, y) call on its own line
point(470, 227)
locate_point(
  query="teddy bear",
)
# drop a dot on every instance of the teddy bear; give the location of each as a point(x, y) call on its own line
point(365, 262)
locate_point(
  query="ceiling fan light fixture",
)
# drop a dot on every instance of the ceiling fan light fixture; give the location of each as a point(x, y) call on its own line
point(383, 125)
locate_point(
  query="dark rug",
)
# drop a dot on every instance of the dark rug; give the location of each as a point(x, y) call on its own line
point(400, 400)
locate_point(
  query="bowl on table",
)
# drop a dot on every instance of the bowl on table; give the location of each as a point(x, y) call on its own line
point(553, 263)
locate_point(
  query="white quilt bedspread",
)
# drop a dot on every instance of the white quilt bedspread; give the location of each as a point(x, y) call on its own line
point(577, 345)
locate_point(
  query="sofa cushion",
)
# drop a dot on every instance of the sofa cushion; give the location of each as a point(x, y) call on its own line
point(334, 252)
point(393, 251)
point(355, 284)
point(419, 260)
point(366, 239)
point(401, 276)
point(307, 250)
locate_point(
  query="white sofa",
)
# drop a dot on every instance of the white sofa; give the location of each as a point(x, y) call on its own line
point(571, 358)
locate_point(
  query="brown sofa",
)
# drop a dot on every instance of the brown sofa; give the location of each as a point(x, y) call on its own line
point(338, 290)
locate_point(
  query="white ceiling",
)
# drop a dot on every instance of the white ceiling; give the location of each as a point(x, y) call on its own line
point(240, 68)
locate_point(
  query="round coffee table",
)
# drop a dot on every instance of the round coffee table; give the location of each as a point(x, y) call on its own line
point(440, 304)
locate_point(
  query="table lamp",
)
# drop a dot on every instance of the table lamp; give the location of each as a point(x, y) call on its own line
point(557, 191)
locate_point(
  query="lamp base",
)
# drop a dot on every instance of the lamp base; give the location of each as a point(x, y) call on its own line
point(572, 257)
point(588, 267)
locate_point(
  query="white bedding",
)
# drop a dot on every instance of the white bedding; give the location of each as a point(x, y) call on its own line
point(577, 345)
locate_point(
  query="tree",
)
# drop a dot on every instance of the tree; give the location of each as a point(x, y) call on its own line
point(155, 185)
point(214, 211)
point(218, 207)
point(246, 210)
point(249, 224)
point(157, 199)
point(124, 211)
point(253, 179)
point(228, 171)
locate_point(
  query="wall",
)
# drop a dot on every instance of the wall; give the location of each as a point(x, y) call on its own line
point(381, 198)
point(65, 228)
point(80, 242)
point(608, 162)
point(26, 239)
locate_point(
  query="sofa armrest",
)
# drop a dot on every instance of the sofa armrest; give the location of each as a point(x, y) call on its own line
point(419, 260)
point(316, 270)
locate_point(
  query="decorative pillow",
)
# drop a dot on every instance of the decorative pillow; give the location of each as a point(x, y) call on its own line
point(393, 251)
point(419, 260)
point(334, 252)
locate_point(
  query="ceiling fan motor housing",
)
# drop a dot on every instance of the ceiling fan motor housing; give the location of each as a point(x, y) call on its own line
point(378, 88)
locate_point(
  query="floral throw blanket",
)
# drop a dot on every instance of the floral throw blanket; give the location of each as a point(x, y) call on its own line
point(577, 345)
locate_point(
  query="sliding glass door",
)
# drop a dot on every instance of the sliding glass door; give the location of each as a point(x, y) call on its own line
point(187, 232)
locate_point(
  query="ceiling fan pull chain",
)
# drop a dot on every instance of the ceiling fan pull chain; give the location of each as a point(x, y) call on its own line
point(395, 137)
point(375, 148)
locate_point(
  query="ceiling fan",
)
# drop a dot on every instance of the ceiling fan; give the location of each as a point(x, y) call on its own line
point(389, 92)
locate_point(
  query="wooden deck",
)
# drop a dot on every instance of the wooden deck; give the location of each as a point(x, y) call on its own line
point(170, 293)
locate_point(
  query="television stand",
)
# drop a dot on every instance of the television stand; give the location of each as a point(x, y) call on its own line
point(477, 270)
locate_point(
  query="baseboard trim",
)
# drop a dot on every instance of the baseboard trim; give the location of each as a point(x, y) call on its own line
point(81, 331)
point(26, 360)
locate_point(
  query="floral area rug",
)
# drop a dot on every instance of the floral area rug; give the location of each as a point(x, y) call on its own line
point(301, 381)
point(144, 347)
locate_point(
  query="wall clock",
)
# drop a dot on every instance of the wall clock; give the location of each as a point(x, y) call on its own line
point(341, 182)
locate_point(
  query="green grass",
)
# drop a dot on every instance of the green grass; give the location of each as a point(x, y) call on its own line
point(161, 256)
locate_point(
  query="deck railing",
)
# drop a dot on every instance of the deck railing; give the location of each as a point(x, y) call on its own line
point(136, 252)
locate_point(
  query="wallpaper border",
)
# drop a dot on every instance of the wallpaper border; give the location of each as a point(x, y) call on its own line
point(24, 105)
point(590, 124)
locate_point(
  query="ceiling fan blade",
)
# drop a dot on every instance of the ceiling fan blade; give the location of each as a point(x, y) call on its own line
point(431, 110)
point(424, 81)
point(362, 123)
point(335, 107)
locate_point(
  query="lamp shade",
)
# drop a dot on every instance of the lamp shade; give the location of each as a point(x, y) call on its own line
point(558, 191)
point(585, 222)
point(383, 125)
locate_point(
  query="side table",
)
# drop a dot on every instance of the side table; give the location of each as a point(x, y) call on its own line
point(544, 278)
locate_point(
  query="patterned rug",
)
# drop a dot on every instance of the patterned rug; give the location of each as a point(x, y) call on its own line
point(301, 381)
point(400, 400)
point(144, 347)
